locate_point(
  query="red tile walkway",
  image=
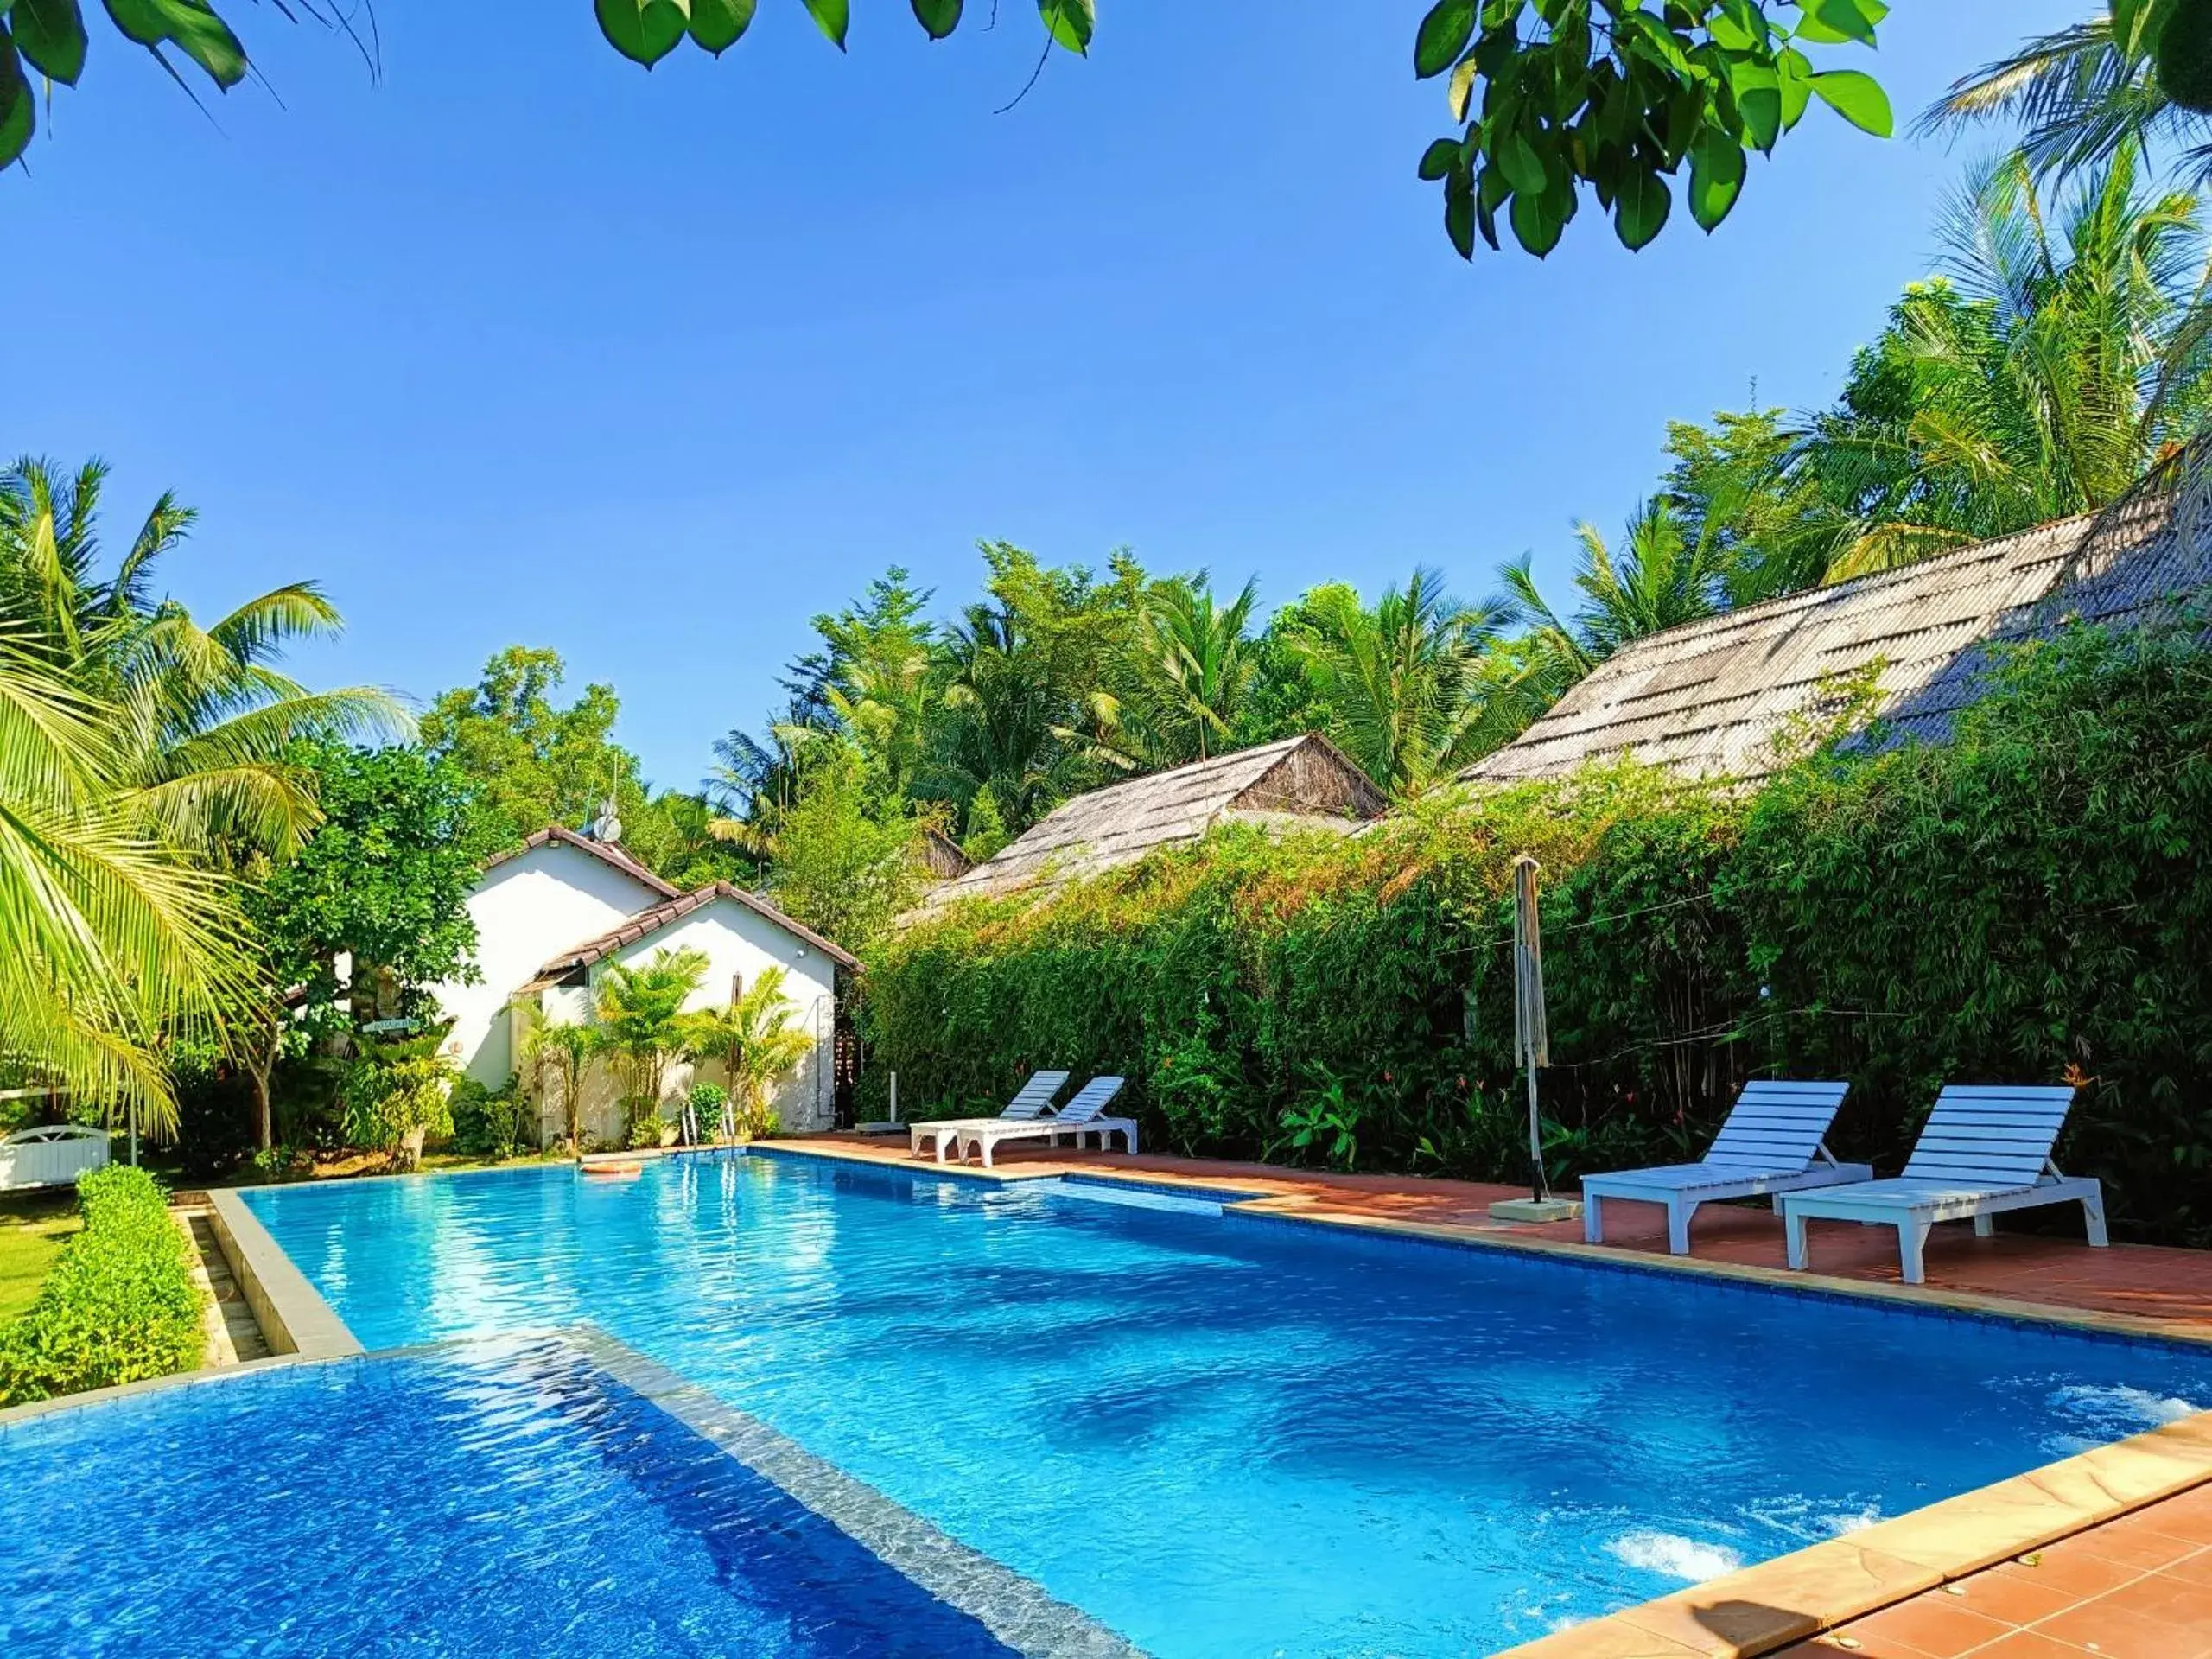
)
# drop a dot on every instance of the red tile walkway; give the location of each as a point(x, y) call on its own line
point(2137, 1587)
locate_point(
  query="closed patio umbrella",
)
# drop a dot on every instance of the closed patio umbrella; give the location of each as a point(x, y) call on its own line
point(1531, 1042)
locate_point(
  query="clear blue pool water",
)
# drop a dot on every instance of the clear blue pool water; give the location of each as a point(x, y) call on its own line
point(1222, 1437)
point(510, 1501)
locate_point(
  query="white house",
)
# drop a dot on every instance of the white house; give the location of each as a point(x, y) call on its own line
point(550, 915)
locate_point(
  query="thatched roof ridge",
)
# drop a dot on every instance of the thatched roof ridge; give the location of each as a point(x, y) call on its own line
point(1727, 696)
point(1305, 779)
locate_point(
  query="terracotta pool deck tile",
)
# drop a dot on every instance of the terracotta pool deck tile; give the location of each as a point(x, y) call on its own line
point(2015, 1597)
point(2030, 1644)
point(1937, 1624)
point(2077, 1573)
point(2111, 1627)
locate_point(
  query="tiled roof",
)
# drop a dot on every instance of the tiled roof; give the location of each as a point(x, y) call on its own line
point(1730, 696)
point(648, 922)
point(606, 852)
point(1305, 779)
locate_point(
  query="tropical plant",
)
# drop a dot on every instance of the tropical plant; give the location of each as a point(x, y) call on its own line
point(1401, 678)
point(2079, 95)
point(558, 1053)
point(2025, 384)
point(756, 1043)
point(641, 1017)
point(1666, 574)
point(114, 942)
point(395, 1092)
point(200, 719)
point(1191, 672)
point(1550, 96)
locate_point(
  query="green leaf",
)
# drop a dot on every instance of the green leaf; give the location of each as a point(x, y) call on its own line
point(717, 24)
point(1758, 101)
point(1539, 217)
point(1796, 71)
point(1517, 159)
point(1716, 177)
point(1859, 98)
point(1460, 218)
point(18, 108)
point(643, 31)
point(1070, 22)
point(192, 25)
point(1444, 35)
point(50, 34)
point(1832, 22)
point(1439, 158)
point(938, 18)
point(832, 17)
point(1640, 207)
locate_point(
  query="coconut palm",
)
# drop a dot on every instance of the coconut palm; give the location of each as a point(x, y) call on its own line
point(1190, 670)
point(200, 720)
point(1401, 680)
point(114, 942)
point(754, 1041)
point(2037, 377)
point(2078, 96)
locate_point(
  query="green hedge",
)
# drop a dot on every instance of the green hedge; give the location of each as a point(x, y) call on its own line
point(2029, 901)
point(119, 1304)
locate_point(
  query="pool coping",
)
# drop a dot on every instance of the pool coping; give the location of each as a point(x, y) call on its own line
point(293, 1317)
point(1763, 1608)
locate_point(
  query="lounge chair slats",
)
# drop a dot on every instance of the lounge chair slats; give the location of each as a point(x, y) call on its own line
point(1985, 1149)
point(1082, 1116)
point(1774, 1142)
point(1032, 1099)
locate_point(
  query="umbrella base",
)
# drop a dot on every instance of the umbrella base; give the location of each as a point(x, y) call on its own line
point(1536, 1210)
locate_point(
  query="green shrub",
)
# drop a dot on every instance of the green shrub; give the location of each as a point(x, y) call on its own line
point(2024, 902)
point(120, 1305)
point(396, 1086)
point(490, 1122)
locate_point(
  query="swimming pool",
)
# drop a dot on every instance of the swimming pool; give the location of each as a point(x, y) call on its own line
point(506, 1498)
point(1223, 1435)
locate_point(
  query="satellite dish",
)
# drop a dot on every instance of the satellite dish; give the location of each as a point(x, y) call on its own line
point(606, 827)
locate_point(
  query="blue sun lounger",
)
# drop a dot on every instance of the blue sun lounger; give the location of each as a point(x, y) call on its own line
point(1775, 1140)
point(1985, 1149)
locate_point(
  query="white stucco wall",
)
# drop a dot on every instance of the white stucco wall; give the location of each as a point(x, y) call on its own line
point(735, 939)
point(527, 911)
point(738, 939)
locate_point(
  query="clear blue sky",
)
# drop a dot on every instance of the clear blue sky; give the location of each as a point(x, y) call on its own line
point(524, 344)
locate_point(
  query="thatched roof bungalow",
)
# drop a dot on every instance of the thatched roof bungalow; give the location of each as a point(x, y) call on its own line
point(1305, 782)
point(1734, 695)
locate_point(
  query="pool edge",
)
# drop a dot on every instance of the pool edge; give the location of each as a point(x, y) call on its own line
point(295, 1319)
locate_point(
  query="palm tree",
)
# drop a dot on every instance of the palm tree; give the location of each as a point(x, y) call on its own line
point(641, 1018)
point(561, 1053)
point(755, 1042)
point(2079, 96)
point(1403, 678)
point(114, 943)
point(201, 720)
point(2036, 378)
point(1191, 668)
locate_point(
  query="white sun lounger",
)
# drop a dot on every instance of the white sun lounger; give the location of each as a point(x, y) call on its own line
point(1985, 1149)
point(1034, 1099)
point(1079, 1117)
point(1775, 1140)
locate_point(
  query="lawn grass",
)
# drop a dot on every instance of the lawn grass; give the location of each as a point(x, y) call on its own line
point(33, 1228)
